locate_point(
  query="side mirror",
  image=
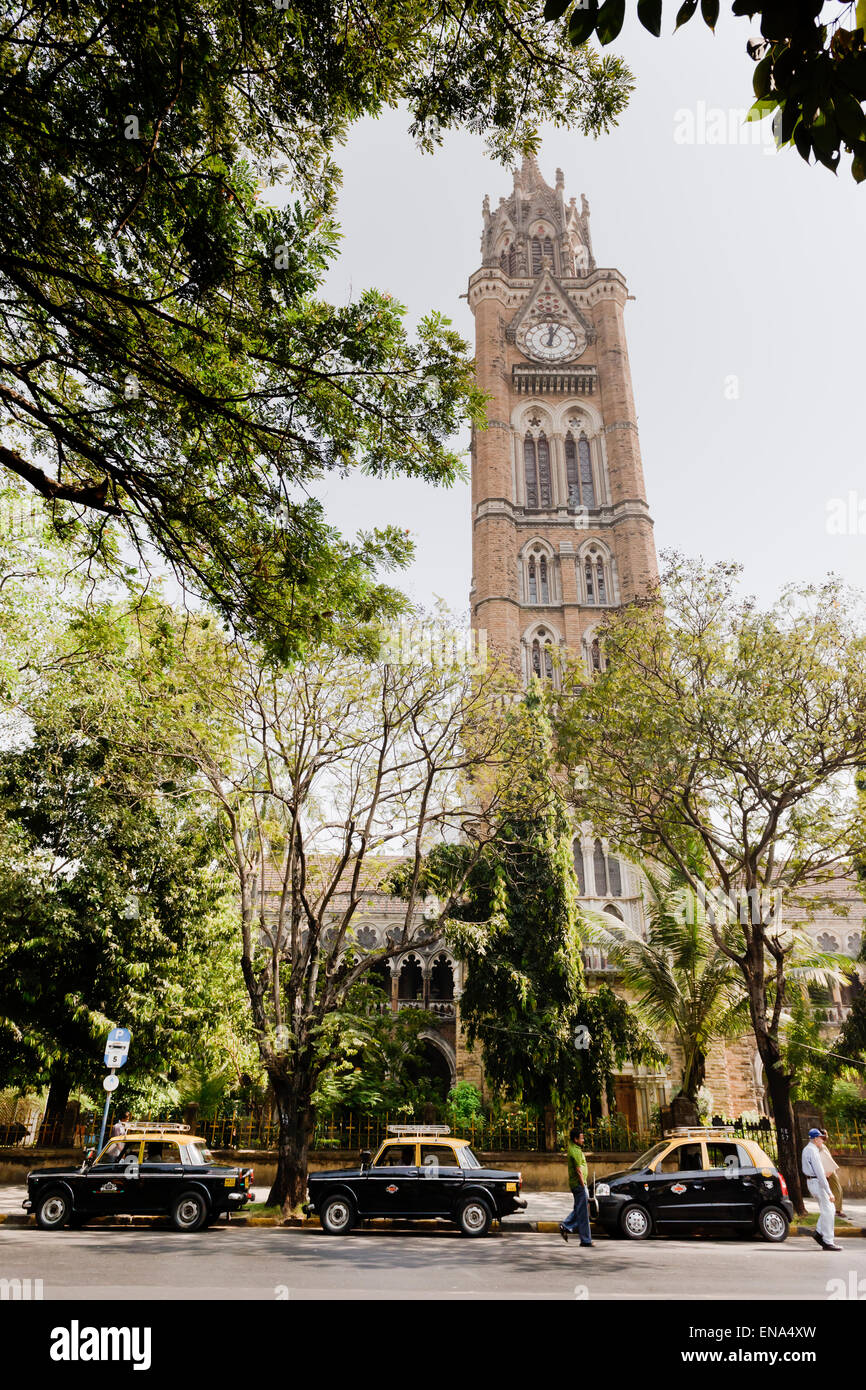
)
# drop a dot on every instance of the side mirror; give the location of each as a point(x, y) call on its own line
point(89, 1156)
point(366, 1158)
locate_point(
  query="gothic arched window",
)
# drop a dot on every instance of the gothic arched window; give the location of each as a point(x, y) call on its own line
point(536, 256)
point(587, 488)
point(614, 877)
point(530, 470)
point(542, 656)
point(601, 588)
point(544, 471)
point(543, 586)
point(548, 249)
point(613, 911)
point(579, 868)
point(533, 581)
point(595, 655)
point(571, 473)
point(590, 580)
point(599, 866)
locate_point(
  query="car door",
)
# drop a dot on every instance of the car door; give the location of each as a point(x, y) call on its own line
point(162, 1174)
point(679, 1192)
point(113, 1183)
point(732, 1182)
point(389, 1184)
point(439, 1182)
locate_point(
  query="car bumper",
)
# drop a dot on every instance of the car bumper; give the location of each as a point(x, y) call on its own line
point(788, 1207)
point(239, 1199)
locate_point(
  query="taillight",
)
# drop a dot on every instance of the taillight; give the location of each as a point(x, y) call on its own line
point(783, 1185)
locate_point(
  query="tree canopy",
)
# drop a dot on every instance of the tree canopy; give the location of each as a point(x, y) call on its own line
point(169, 374)
point(811, 68)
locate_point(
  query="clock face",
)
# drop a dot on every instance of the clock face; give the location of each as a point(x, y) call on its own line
point(550, 341)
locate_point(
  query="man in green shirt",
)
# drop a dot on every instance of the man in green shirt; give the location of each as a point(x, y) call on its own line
point(578, 1179)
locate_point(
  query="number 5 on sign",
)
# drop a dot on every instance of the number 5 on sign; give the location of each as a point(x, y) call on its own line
point(117, 1047)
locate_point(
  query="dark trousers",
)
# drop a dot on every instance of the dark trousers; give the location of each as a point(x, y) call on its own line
point(579, 1219)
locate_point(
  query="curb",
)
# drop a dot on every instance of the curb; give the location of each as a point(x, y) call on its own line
point(312, 1223)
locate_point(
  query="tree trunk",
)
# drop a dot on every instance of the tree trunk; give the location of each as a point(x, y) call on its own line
point(549, 1129)
point(297, 1124)
point(55, 1107)
point(693, 1080)
point(779, 1086)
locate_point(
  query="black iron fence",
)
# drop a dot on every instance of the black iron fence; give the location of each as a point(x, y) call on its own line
point(356, 1131)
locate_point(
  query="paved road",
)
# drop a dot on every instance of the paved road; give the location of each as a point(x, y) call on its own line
point(270, 1263)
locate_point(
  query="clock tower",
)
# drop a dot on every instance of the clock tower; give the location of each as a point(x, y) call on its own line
point(561, 527)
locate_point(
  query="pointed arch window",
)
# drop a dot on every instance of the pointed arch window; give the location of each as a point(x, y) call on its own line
point(589, 577)
point(571, 474)
point(599, 867)
point(614, 875)
point(536, 256)
point(544, 471)
point(600, 586)
point(542, 656)
point(547, 249)
point(579, 867)
point(530, 471)
point(587, 489)
point(533, 581)
point(595, 655)
point(542, 580)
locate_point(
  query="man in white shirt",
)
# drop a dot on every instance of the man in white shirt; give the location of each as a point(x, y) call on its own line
point(831, 1168)
point(819, 1188)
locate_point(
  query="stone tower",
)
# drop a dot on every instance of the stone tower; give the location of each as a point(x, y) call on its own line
point(561, 527)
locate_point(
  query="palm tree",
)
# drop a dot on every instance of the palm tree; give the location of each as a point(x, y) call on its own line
point(683, 981)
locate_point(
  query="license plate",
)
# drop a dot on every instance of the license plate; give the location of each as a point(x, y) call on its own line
point(511, 1187)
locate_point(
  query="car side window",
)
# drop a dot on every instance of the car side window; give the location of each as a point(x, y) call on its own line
point(733, 1157)
point(397, 1156)
point(686, 1158)
point(435, 1156)
point(161, 1151)
point(120, 1152)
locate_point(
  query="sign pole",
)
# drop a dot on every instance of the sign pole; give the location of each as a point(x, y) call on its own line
point(104, 1119)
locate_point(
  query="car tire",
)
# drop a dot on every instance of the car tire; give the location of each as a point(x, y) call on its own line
point(189, 1211)
point(337, 1215)
point(474, 1217)
point(53, 1210)
point(773, 1224)
point(635, 1222)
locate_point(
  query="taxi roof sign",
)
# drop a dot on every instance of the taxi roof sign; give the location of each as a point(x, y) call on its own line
point(407, 1131)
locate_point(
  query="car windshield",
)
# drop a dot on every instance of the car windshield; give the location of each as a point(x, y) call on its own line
point(197, 1154)
point(646, 1159)
point(467, 1157)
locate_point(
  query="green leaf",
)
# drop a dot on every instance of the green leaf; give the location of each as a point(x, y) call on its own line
point(759, 109)
point(610, 20)
point(582, 23)
point(710, 12)
point(762, 75)
point(649, 12)
point(685, 12)
point(858, 168)
point(554, 9)
point(849, 114)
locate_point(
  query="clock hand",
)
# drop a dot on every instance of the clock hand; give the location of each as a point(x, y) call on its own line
point(551, 335)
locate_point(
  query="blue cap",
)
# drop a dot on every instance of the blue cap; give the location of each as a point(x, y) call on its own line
point(816, 1134)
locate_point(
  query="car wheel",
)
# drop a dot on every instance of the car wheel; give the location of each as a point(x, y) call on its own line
point(189, 1212)
point(773, 1224)
point(53, 1210)
point(635, 1222)
point(474, 1217)
point(337, 1215)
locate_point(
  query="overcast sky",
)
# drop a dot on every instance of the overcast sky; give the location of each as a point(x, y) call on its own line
point(744, 337)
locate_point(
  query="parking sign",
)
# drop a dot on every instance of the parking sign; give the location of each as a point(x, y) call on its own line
point(117, 1047)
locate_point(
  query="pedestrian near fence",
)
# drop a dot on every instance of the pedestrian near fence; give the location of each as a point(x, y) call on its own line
point(819, 1188)
point(578, 1178)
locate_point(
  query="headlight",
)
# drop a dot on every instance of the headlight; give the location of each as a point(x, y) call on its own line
point(602, 1189)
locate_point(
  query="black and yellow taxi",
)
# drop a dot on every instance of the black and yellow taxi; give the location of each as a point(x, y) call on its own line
point(696, 1179)
point(151, 1170)
point(418, 1172)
